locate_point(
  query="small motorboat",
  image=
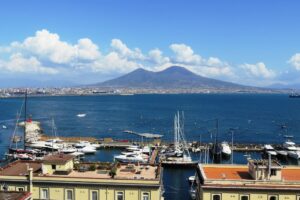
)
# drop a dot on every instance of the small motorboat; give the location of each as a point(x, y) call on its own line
point(226, 150)
point(191, 179)
point(4, 127)
point(80, 115)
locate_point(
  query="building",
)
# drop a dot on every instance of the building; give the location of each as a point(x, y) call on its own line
point(58, 178)
point(14, 195)
point(259, 180)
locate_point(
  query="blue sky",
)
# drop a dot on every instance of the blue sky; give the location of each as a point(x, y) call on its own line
point(249, 42)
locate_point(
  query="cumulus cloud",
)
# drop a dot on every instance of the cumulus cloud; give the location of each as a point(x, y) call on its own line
point(18, 63)
point(258, 70)
point(122, 49)
point(114, 63)
point(49, 46)
point(295, 61)
point(156, 56)
point(48, 53)
point(185, 54)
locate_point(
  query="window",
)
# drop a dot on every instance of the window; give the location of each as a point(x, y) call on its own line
point(69, 195)
point(5, 187)
point(272, 197)
point(45, 193)
point(146, 196)
point(244, 197)
point(273, 172)
point(94, 195)
point(216, 197)
point(53, 166)
point(20, 189)
point(298, 197)
point(120, 196)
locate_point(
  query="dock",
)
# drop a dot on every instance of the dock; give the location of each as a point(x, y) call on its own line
point(179, 164)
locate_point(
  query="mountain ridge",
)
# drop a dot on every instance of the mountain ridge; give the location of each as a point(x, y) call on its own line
point(174, 77)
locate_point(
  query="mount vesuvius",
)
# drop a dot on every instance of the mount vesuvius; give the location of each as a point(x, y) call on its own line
point(174, 77)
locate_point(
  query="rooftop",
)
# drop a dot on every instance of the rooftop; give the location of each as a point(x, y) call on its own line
point(10, 195)
point(240, 172)
point(58, 159)
point(123, 171)
point(20, 168)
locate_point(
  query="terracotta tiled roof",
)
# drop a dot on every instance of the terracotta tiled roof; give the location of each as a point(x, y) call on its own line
point(234, 173)
point(10, 195)
point(58, 158)
point(241, 173)
point(20, 168)
point(291, 174)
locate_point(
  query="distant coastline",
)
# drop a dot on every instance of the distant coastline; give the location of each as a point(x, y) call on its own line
point(91, 91)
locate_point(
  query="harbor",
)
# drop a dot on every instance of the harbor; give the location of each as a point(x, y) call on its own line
point(176, 146)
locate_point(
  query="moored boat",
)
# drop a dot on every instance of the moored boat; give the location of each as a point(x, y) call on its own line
point(130, 158)
point(294, 154)
point(225, 149)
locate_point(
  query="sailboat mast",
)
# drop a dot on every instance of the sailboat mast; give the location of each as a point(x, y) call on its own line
point(217, 134)
point(25, 119)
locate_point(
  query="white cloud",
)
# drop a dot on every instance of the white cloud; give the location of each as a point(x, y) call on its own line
point(36, 53)
point(113, 63)
point(185, 54)
point(87, 50)
point(295, 61)
point(156, 56)
point(48, 46)
point(122, 49)
point(258, 70)
point(18, 63)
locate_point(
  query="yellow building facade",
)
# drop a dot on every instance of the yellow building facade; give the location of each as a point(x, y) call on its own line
point(259, 180)
point(56, 179)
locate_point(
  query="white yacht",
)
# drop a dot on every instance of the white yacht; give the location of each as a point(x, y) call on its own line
point(130, 158)
point(269, 150)
point(146, 150)
point(87, 150)
point(133, 148)
point(68, 150)
point(225, 149)
point(282, 153)
point(82, 144)
point(289, 145)
point(294, 154)
point(37, 144)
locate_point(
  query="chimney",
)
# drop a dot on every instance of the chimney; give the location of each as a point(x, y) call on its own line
point(30, 177)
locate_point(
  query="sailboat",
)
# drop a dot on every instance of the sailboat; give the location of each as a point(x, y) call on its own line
point(180, 151)
point(16, 152)
point(16, 138)
point(216, 150)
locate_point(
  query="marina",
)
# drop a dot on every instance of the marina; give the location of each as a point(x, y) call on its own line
point(58, 138)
